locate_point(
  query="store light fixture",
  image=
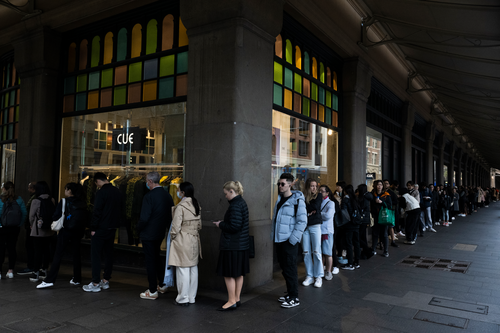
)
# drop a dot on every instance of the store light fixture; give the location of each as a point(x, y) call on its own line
point(330, 132)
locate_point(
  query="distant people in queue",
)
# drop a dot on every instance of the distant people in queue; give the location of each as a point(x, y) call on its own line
point(185, 245)
point(234, 244)
point(327, 233)
point(13, 213)
point(75, 217)
point(28, 241)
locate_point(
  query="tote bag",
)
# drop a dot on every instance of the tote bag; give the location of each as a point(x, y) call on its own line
point(386, 217)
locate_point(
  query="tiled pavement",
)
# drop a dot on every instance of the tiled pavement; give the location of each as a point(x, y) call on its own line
point(380, 297)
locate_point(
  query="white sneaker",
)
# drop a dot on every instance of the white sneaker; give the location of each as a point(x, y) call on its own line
point(10, 275)
point(74, 283)
point(44, 285)
point(329, 276)
point(453, 218)
point(433, 230)
point(308, 281)
point(401, 234)
point(335, 271)
point(104, 285)
point(91, 287)
point(318, 283)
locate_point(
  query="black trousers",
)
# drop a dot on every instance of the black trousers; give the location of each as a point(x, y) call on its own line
point(8, 241)
point(287, 258)
point(30, 249)
point(363, 241)
point(412, 223)
point(155, 266)
point(352, 240)
point(102, 245)
point(379, 232)
point(67, 238)
point(42, 253)
point(339, 243)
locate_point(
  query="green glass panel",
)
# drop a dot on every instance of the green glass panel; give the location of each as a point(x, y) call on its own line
point(288, 78)
point(314, 91)
point(5, 116)
point(4, 134)
point(278, 73)
point(1, 132)
point(12, 97)
point(69, 85)
point(94, 80)
point(306, 106)
point(167, 65)
point(182, 62)
point(107, 78)
point(328, 99)
point(10, 135)
point(321, 72)
point(96, 52)
point(335, 102)
point(306, 63)
point(321, 94)
point(278, 95)
point(166, 88)
point(135, 72)
point(120, 94)
point(298, 83)
point(16, 117)
point(81, 83)
point(2, 101)
point(289, 51)
point(81, 102)
point(6, 100)
point(121, 45)
point(151, 37)
point(102, 144)
point(328, 116)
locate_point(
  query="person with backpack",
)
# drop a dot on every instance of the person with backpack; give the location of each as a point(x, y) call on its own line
point(351, 229)
point(364, 199)
point(75, 212)
point(327, 232)
point(12, 212)
point(41, 211)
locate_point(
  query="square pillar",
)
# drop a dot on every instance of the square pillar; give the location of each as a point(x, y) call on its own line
point(430, 136)
point(408, 122)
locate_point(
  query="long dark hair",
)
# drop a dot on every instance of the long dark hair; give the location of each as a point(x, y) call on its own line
point(362, 189)
point(11, 193)
point(349, 190)
point(75, 188)
point(375, 183)
point(41, 187)
point(188, 190)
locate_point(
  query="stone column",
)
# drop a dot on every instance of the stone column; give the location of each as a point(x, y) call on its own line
point(408, 121)
point(459, 169)
point(430, 136)
point(451, 169)
point(357, 85)
point(440, 164)
point(229, 119)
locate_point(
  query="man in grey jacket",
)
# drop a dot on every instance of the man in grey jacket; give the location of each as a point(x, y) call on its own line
point(289, 222)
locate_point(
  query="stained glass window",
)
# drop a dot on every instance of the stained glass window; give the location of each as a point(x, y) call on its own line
point(9, 99)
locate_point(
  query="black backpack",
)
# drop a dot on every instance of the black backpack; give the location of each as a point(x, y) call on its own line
point(358, 215)
point(11, 214)
point(47, 210)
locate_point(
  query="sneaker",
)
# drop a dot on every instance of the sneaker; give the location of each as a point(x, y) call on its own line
point(452, 218)
point(104, 285)
point(343, 261)
point(433, 230)
point(410, 242)
point(10, 275)
point(162, 289)
point(318, 283)
point(401, 234)
point(290, 303)
point(348, 267)
point(74, 283)
point(43, 274)
point(283, 299)
point(335, 270)
point(91, 287)
point(344, 253)
point(393, 244)
point(307, 281)
point(34, 277)
point(44, 285)
point(329, 276)
point(386, 254)
point(446, 224)
point(149, 295)
point(450, 222)
point(395, 238)
point(374, 253)
point(26, 271)
point(437, 223)
point(356, 266)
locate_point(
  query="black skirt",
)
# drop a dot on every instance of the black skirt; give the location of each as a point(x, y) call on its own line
point(233, 263)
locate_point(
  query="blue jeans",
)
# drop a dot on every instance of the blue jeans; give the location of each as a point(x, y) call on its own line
point(428, 217)
point(446, 215)
point(311, 245)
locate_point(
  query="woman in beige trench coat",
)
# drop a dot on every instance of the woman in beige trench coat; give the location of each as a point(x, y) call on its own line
point(185, 246)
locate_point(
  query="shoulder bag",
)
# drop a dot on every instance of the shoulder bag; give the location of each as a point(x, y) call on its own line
point(58, 225)
point(386, 217)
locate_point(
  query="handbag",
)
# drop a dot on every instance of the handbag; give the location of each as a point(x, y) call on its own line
point(386, 217)
point(251, 250)
point(59, 224)
point(343, 218)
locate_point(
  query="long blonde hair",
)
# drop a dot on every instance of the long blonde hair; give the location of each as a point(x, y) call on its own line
point(307, 190)
point(235, 186)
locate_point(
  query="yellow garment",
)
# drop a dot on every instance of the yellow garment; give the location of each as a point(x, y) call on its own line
point(172, 190)
point(162, 180)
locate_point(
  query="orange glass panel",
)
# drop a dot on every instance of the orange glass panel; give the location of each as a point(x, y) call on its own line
point(106, 97)
point(328, 77)
point(315, 68)
point(181, 85)
point(11, 115)
point(69, 103)
point(306, 89)
point(93, 99)
point(136, 41)
point(288, 99)
point(297, 105)
point(18, 92)
point(167, 36)
point(83, 55)
point(134, 93)
point(71, 57)
point(314, 110)
point(298, 57)
point(108, 48)
point(335, 81)
point(278, 47)
point(321, 113)
point(149, 90)
point(183, 37)
point(335, 119)
point(120, 75)
point(13, 74)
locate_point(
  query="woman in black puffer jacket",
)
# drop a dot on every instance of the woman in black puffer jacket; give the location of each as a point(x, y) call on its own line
point(234, 244)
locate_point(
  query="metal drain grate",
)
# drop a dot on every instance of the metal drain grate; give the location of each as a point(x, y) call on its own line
point(459, 305)
point(441, 319)
point(436, 264)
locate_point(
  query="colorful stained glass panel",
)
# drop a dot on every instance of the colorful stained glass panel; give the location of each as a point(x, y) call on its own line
point(167, 65)
point(166, 89)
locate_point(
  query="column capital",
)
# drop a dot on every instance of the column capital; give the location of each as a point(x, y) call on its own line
point(357, 78)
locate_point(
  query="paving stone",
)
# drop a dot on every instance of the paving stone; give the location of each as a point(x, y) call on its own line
point(32, 325)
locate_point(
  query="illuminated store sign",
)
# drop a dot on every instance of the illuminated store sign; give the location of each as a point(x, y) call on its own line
point(129, 138)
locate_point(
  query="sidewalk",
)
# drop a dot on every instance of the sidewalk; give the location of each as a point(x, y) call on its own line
point(382, 296)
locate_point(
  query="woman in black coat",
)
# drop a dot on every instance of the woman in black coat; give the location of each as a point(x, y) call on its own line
point(381, 199)
point(234, 244)
point(351, 229)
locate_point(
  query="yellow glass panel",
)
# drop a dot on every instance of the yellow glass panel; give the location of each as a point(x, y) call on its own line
point(136, 41)
point(278, 47)
point(183, 37)
point(149, 91)
point(108, 48)
point(321, 116)
point(93, 99)
point(298, 57)
point(335, 81)
point(335, 119)
point(288, 99)
point(315, 68)
point(328, 77)
point(321, 72)
point(289, 50)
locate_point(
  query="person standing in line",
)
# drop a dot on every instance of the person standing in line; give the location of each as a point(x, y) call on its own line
point(351, 229)
point(446, 202)
point(426, 203)
point(327, 232)
point(185, 245)
point(28, 242)
point(155, 219)
point(381, 199)
point(434, 204)
point(394, 198)
point(76, 214)
point(289, 223)
point(234, 244)
point(13, 213)
point(106, 218)
point(412, 209)
point(455, 210)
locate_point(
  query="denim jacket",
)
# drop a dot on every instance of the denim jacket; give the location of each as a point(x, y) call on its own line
point(287, 225)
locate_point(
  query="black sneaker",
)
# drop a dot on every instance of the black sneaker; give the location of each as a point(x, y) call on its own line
point(386, 254)
point(291, 303)
point(283, 299)
point(34, 277)
point(393, 244)
point(26, 271)
point(42, 274)
point(356, 266)
point(348, 267)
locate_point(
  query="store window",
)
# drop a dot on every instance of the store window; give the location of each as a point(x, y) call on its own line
point(373, 160)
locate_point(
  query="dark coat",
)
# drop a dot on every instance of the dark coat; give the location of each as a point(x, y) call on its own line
point(435, 200)
point(108, 209)
point(350, 206)
point(426, 203)
point(156, 214)
point(376, 207)
point(235, 227)
point(314, 205)
point(76, 210)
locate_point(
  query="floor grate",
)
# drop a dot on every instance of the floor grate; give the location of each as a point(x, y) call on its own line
point(459, 305)
point(436, 264)
point(441, 319)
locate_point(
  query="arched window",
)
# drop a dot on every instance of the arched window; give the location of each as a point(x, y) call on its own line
point(315, 68)
point(108, 48)
point(298, 57)
point(307, 67)
point(121, 45)
point(136, 41)
point(328, 77)
point(83, 55)
point(96, 52)
point(321, 72)
point(278, 47)
point(71, 57)
point(335, 81)
point(288, 50)
point(167, 36)
point(183, 37)
point(151, 37)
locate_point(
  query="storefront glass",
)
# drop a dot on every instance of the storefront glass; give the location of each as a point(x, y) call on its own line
point(373, 157)
point(8, 162)
point(125, 145)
